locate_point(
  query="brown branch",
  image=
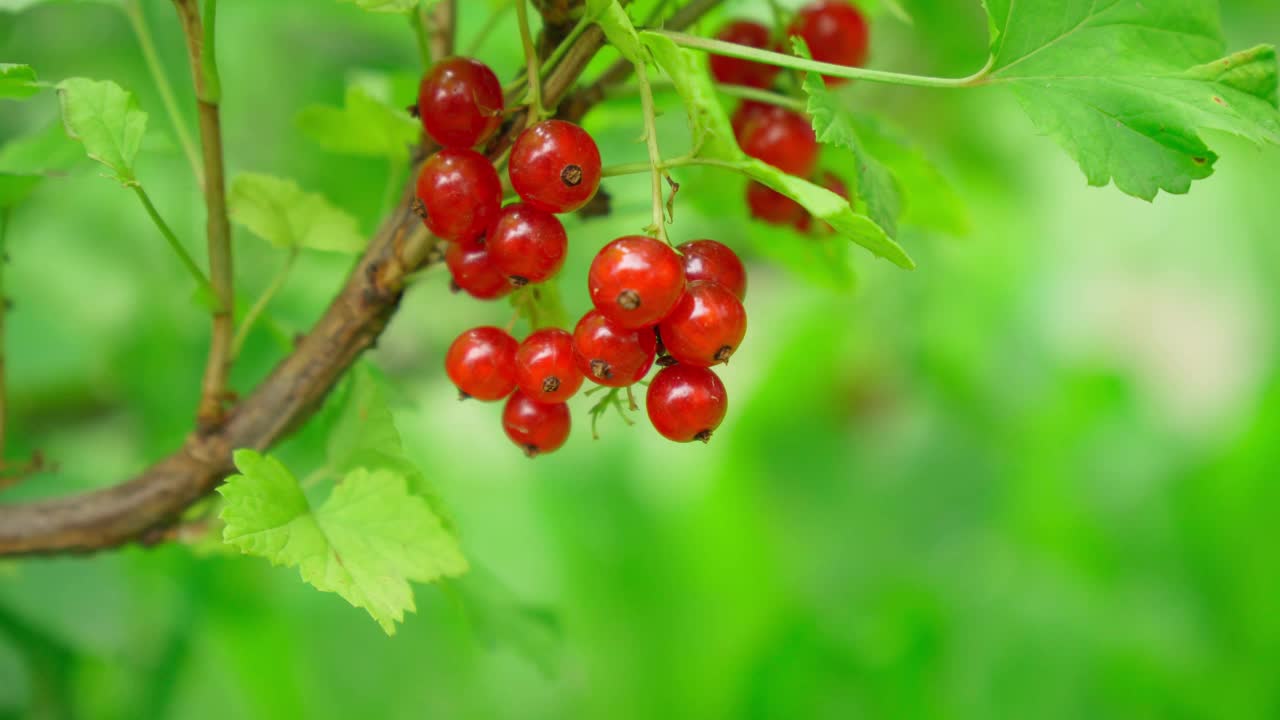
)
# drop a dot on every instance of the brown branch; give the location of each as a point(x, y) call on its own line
point(442, 28)
point(218, 228)
point(143, 508)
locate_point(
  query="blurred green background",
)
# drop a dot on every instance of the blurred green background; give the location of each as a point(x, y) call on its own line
point(1035, 478)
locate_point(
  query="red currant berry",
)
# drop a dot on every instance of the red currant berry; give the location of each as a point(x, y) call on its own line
point(835, 185)
point(713, 261)
point(545, 367)
point(460, 102)
point(612, 355)
point(555, 166)
point(706, 326)
point(527, 245)
point(733, 71)
point(460, 192)
point(538, 428)
point(772, 206)
point(686, 403)
point(835, 31)
point(482, 363)
point(783, 138)
point(473, 270)
point(635, 281)
point(747, 111)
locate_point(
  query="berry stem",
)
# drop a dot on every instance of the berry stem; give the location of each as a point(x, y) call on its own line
point(530, 61)
point(418, 23)
point(558, 54)
point(138, 21)
point(719, 47)
point(655, 156)
point(260, 305)
point(743, 92)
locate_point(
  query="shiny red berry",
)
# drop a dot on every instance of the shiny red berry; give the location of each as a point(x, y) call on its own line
point(783, 138)
point(734, 71)
point(474, 272)
point(772, 206)
point(635, 281)
point(713, 261)
point(537, 428)
point(460, 193)
point(460, 102)
point(482, 363)
point(612, 355)
point(706, 326)
point(835, 31)
point(746, 111)
point(546, 369)
point(686, 403)
point(555, 166)
point(527, 244)
point(835, 185)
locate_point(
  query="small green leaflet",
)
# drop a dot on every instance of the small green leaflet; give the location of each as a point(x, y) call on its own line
point(385, 6)
point(362, 126)
point(106, 118)
point(281, 213)
point(17, 82)
point(1125, 86)
point(713, 140)
point(366, 542)
point(832, 125)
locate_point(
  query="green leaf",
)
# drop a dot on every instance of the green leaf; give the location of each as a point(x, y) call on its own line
point(1126, 86)
point(362, 126)
point(15, 188)
point(17, 81)
point(928, 199)
point(363, 424)
point(385, 6)
point(712, 131)
point(106, 118)
point(832, 125)
point(617, 27)
point(281, 213)
point(366, 542)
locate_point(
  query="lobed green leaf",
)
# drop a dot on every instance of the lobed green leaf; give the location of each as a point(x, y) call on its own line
point(362, 126)
point(106, 119)
point(616, 24)
point(365, 542)
point(281, 213)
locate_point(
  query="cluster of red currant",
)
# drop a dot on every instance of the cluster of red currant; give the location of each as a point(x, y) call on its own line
point(836, 32)
point(680, 308)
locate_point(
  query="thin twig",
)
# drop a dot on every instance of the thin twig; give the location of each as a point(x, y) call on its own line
point(137, 20)
point(187, 261)
point(205, 79)
point(442, 28)
point(260, 306)
point(655, 156)
point(530, 59)
point(418, 22)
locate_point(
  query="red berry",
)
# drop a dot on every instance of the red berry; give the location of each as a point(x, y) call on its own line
point(538, 428)
point(460, 102)
point(545, 367)
point(460, 192)
point(635, 281)
point(686, 403)
point(527, 245)
point(783, 138)
point(706, 326)
point(772, 206)
point(474, 272)
point(555, 166)
point(835, 32)
point(482, 363)
point(835, 185)
point(710, 260)
point(612, 355)
point(733, 71)
point(747, 111)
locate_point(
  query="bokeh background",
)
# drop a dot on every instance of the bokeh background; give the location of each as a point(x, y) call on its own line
point(1035, 478)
